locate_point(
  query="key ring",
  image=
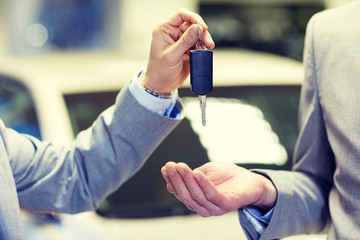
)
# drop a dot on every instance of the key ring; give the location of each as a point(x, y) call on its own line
point(200, 39)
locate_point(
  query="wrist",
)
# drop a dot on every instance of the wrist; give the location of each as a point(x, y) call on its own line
point(160, 105)
point(152, 90)
point(268, 197)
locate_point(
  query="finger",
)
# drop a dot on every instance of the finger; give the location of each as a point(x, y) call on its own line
point(195, 190)
point(184, 15)
point(174, 179)
point(186, 204)
point(170, 186)
point(209, 189)
point(175, 33)
point(182, 193)
point(184, 27)
point(210, 44)
point(187, 41)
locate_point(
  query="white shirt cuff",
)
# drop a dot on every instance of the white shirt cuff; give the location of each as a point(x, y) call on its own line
point(159, 105)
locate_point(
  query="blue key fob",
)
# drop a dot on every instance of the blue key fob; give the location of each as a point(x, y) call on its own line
point(201, 71)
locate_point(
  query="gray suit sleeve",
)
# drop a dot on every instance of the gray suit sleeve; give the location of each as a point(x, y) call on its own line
point(302, 203)
point(76, 179)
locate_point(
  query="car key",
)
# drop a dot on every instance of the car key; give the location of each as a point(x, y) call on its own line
point(201, 73)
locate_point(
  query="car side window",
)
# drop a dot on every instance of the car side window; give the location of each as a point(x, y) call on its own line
point(17, 109)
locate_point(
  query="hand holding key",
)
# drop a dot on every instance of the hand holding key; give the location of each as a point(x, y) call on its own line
point(168, 65)
point(201, 73)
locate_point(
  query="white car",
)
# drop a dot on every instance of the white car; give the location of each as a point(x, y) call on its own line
point(251, 121)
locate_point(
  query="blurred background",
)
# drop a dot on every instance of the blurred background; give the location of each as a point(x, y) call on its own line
point(75, 55)
point(38, 26)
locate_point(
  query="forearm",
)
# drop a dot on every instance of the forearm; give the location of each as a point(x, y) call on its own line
point(100, 159)
point(133, 132)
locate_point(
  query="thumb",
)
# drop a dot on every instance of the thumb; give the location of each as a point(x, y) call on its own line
point(187, 40)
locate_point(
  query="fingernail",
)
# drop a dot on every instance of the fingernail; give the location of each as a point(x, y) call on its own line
point(181, 171)
point(169, 189)
point(170, 171)
point(194, 32)
point(164, 173)
point(197, 176)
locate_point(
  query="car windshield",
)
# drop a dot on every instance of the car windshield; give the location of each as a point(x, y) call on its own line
point(252, 126)
point(17, 109)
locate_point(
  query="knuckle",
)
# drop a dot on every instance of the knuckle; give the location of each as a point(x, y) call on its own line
point(183, 196)
point(212, 197)
point(183, 10)
point(198, 197)
point(165, 28)
point(188, 40)
point(156, 29)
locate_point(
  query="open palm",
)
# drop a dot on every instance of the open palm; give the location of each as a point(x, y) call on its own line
point(216, 188)
point(228, 185)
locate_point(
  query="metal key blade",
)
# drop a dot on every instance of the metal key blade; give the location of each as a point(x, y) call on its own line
point(202, 101)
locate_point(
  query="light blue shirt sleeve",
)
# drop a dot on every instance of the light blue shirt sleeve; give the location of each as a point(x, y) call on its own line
point(258, 219)
point(160, 105)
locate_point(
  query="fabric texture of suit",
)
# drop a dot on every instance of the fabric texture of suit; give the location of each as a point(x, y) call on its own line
point(322, 193)
point(39, 176)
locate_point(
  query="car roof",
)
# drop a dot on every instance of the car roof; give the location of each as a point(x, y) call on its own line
point(75, 72)
point(234, 67)
point(48, 77)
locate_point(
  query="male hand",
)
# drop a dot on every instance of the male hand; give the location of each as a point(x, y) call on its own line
point(217, 188)
point(168, 65)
